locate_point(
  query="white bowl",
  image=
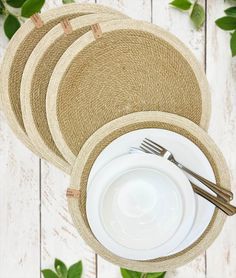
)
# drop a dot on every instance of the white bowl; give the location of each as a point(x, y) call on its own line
point(140, 206)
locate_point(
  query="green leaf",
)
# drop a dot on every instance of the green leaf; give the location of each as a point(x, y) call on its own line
point(68, 1)
point(60, 268)
point(183, 5)
point(156, 275)
point(48, 273)
point(129, 273)
point(226, 23)
point(75, 271)
point(233, 43)
point(15, 3)
point(197, 15)
point(231, 11)
point(31, 7)
point(1, 7)
point(11, 25)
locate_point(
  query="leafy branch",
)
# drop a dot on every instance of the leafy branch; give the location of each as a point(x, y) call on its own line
point(228, 23)
point(76, 270)
point(195, 10)
point(197, 16)
point(61, 270)
point(15, 12)
point(134, 274)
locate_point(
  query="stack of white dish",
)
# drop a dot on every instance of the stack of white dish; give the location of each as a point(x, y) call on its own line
point(141, 206)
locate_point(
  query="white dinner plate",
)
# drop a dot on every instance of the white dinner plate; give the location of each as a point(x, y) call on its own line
point(141, 206)
point(185, 152)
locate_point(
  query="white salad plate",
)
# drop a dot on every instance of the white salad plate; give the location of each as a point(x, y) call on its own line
point(141, 206)
point(185, 151)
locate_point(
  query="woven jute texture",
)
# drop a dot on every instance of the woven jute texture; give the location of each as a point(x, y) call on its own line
point(105, 135)
point(135, 66)
point(16, 56)
point(36, 76)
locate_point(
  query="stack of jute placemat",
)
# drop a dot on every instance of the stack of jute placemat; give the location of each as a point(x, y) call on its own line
point(75, 78)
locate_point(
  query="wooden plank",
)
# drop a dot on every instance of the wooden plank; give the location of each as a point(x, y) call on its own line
point(3, 44)
point(195, 269)
point(179, 24)
point(221, 72)
point(59, 238)
point(50, 4)
point(19, 202)
point(19, 208)
point(139, 9)
point(19, 212)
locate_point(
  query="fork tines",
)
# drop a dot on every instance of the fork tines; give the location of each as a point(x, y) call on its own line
point(151, 147)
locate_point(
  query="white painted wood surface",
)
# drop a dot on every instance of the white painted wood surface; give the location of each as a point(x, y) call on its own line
point(35, 226)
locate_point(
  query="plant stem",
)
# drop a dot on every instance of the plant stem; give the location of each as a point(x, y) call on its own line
point(4, 4)
point(6, 12)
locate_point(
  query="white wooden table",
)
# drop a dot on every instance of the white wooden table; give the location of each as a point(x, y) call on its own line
point(35, 226)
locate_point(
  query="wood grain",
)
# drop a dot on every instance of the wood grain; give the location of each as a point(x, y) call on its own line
point(19, 202)
point(221, 72)
point(179, 24)
point(35, 224)
point(59, 238)
point(19, 208)
point(139, 9)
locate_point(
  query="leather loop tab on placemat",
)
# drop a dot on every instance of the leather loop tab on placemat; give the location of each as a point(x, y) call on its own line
point(66, 26)
point(73, 193)
point(97, 31)
point(37, 20)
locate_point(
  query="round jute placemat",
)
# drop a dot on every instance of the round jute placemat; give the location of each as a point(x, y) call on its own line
point(36, 76)
point(105, 135)
point(134, 66)
point(18, 51)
